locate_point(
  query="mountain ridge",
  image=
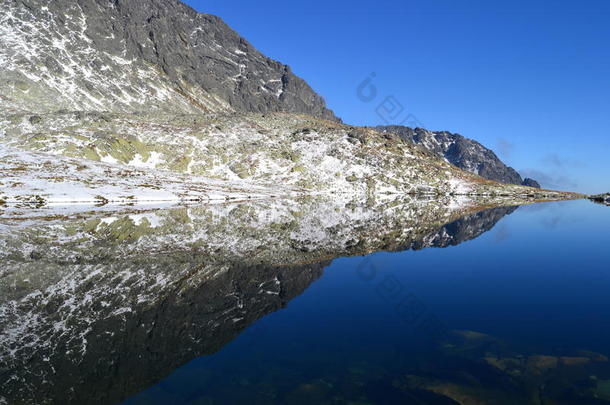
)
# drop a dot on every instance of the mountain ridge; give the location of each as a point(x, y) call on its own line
point(134, 55)
point(111, 156)
point(119, 91)
point(465, 153)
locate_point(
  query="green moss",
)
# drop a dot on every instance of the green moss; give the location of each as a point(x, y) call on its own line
point(307, 184)
point(202, 167)
point(88, 152)
point(91, 225)
point(242, 170)
point(299, 169)
point(284, 153)
point(125, 149)
point(91, 154)
point(244, 213)
point(180, 164)
point(284, 226)
point(125, 229)
point(200, 135)
point(180, 216)
point(397, 184)
point(297, 214)
point(21, 85)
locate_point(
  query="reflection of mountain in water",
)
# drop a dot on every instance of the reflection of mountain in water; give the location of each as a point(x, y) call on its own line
point(96, 308)
point(464, 229)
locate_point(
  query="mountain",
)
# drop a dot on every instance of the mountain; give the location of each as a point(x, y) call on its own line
point(107, 157)
point(462, 152)
point(138, 55)
point(147, 100)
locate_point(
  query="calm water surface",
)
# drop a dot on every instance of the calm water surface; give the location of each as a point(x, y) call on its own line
point(508, 306)
point(536, 285)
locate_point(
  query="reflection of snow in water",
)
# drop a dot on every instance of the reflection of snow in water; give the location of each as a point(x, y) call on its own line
point(69, 281)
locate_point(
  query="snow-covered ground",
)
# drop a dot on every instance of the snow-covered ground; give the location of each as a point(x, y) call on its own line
point(43, 179)
point(97, 158)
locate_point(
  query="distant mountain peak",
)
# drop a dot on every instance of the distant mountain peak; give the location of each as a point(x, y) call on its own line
point(465, 153)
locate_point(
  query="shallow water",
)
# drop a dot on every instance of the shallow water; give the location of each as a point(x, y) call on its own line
point(306, 303)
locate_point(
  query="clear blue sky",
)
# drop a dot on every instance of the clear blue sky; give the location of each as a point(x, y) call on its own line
point(529, 79)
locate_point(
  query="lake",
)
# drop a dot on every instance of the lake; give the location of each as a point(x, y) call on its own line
point(408, 301)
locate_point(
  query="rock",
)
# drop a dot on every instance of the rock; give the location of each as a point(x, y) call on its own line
point(594, 356)
point(161, 86)
point(574, 361)
point(138, 55)
point(467, 154)
point(310, 393)
point(530, 183)
point(276, 149)
point(456, 233)
point(602, 390)
point(540, 364)
point(470, 335)
point(35, 119)
point(503, 364)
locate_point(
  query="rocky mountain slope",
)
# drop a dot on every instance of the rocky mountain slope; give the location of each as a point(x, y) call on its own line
point(462, 152)
point(251, 155)
point(135, 55)
point(148, 100)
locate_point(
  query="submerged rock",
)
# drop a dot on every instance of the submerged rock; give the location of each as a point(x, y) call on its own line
point(539, 364)
point(476, 368)
point(602, 390)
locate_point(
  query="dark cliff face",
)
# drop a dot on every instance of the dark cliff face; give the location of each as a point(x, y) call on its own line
point(531, 183)
point(151, 51)
point(462, 152)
